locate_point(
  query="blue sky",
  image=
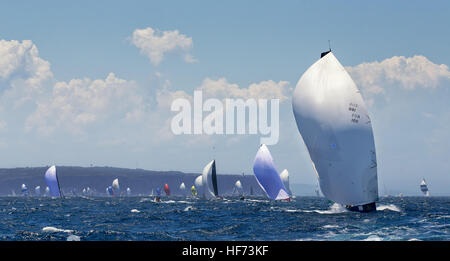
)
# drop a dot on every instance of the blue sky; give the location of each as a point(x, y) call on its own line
point(244, 42)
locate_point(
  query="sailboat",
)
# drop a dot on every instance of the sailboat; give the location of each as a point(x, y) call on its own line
point(424, 188)
point(267, 176)
point(209, 180)
point(167, 190)
point(158, 194)
point(37, 190)
point(51, 178)
point(193, 191)
point(183, 189)
point(116, 187)
point(47, 191)
point(238, 189)
point(198, 182)
point(336, 128)
point(110, 191)
point(128, 192)
point(284, 175)
point(24, 190)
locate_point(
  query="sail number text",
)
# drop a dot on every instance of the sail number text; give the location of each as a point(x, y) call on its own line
point(352, 107)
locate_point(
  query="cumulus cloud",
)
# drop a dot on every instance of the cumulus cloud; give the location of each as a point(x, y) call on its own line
point(221, 89)
point(154, 44)
point(20, 60)
point(79, 103)
point(407, 73)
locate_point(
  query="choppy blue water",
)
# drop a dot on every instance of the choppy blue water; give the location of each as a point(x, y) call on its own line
point(139, 218)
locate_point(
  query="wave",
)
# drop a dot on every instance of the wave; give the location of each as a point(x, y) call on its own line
point(330, 226)
point(73, 238)
point(189, 208)
point(373, 238)
point(135, 211)
point(391, 207)
point(334, 209)
point(54, 229)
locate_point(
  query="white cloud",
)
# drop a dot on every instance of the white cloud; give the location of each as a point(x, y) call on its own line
point(221, 89)
point(79, 103)
point(407, 73)
point(21, 60)
point(154, 44)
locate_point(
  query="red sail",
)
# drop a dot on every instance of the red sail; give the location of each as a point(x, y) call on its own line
point(167, 189)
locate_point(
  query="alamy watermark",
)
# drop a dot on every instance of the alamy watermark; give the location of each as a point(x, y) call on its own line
point(191, 121)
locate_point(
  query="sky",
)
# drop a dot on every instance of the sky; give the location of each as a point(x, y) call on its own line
point(91, 82)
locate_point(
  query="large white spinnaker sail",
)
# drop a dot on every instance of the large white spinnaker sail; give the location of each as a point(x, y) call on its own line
point(267, 176)
point(209, 180)
point(284, 175)
point(336, 129)
point(51, 179)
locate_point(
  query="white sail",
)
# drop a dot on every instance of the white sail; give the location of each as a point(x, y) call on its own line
point(284, 175)
point(183, 189)
point(207, 181)
point(52, 182)
point(199, 185)
point(37, 190)
point(116, 187)
point(47, 191)
point(424, 188)
point(336, 129)
point(238, 188)
point(24, 189)
point(128, 191)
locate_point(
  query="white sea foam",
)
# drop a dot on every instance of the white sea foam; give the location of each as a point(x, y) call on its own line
point(73, 238)
point(256, 200)
point(391, 207)
point(334, 209)
point(292, 210)
point(373, 238)
point(330, 226)
point(189, 208)
point(54, 229)
point(135, 211)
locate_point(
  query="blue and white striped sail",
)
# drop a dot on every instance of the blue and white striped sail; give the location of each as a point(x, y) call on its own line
point(52, 182)
point(267, 176)
point(335, 126)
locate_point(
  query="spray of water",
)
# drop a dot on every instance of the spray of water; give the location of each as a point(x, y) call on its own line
point(391, 207)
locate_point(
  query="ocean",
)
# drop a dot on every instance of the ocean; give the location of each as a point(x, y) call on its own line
point(177, 218)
